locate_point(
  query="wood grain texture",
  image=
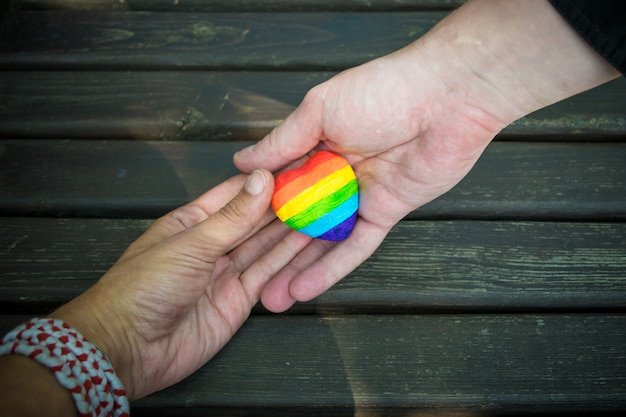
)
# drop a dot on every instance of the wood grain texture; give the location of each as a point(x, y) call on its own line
point(238, 5)
point(540, 181)
point(398, 365)
point(125, 179)
point(149, 105)
point(5, 8)
point(405, 365)
point(162, 41)
point(422, 266)
point(199, 105)
point(506, 296)
point(555, 181)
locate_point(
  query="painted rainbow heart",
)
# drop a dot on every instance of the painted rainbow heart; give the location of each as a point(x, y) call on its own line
point(319, 199)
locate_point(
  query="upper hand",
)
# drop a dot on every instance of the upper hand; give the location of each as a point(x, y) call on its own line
point(413, 123)
point(409, 140)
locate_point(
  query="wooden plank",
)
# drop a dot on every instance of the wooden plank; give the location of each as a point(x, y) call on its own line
point(600, 113)
point(93, 178)
point(539, 181)
point(239, 5)
point(43, 266)
point(259, 41)
point(390, 365)
point(5, 8)
point(149, 105)
point(397, 365)
point(232, 106)
point(445, 266)
point(555, 181)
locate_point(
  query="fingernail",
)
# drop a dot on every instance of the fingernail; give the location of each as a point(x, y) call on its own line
point(245, 151)
point(256, 183)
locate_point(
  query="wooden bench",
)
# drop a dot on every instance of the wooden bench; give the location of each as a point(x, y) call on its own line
point(505, 296)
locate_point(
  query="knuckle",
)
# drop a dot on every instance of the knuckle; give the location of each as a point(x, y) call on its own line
point(236, 213)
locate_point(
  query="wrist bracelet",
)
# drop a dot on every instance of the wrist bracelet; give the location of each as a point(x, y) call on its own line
point(77, 364)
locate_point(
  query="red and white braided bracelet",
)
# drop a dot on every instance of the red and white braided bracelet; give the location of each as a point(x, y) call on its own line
point(77, 364)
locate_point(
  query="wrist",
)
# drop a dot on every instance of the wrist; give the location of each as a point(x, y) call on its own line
point(510, 58)
point(100, 324)
point(61, 351)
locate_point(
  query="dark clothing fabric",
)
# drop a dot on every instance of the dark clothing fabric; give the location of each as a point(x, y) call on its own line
point(602, 23)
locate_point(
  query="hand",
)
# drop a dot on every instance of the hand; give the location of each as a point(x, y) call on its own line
point(413, 123)
point(408, 141)
point(181, 290)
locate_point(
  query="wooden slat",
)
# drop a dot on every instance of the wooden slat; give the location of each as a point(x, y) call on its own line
point(407, 365)
point(5, 7)
point(239, 5)
point(123, 41)
point(598, 113)
point(557, 181)
point(149, 105)
point(46, 262)
point(422, 266)
point(391, 365)
point(93, 178)
point(231, 106)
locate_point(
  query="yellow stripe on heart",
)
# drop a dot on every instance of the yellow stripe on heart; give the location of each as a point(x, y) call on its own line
point(315, 193)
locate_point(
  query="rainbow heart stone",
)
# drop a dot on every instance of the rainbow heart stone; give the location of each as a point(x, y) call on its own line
point(319, 199)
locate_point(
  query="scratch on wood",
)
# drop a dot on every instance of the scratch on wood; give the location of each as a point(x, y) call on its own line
point(190, 118)
point(226, 98)
point(17, 242)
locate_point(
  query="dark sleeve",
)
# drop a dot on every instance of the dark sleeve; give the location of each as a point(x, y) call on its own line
point(602, 23)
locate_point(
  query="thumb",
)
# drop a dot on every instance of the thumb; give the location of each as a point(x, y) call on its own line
point(234, 222)
point(297, 135)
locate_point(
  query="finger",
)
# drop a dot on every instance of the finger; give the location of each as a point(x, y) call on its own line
point(249, 252)
point(187, 216)
point(293, 138)
point(257, 275)
point(337, 263)
point(233, 223)
point(275, 295)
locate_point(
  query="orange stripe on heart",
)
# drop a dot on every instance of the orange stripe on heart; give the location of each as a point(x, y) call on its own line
point(320, 198)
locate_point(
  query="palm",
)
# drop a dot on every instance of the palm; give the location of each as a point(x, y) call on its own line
point(182, 328)
point(404, 177)
point(406, 144)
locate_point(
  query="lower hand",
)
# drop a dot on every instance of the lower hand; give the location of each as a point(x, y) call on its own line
point(181, 290)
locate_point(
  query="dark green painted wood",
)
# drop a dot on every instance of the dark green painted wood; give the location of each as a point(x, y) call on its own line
point(256, 41)
point(400, 336)
point(403, 365)
point(91, 178)
point(5, 8)
point(422, 266)
point(239, 5)
point(398, 365)
point(149, 105)
point(232, 106)
point(595, 114)
point(559, 181)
